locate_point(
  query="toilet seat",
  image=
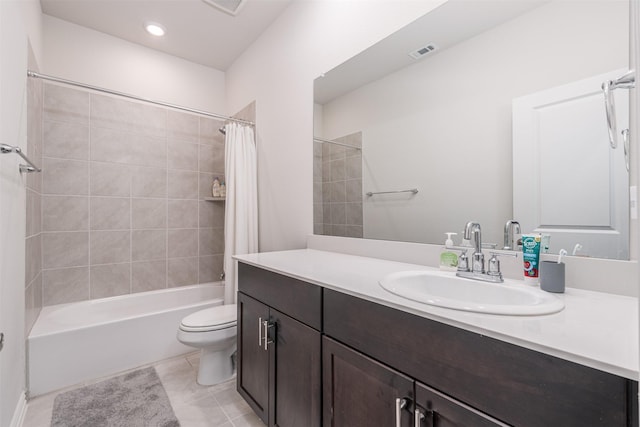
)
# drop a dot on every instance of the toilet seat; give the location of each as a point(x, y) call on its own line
point(211, 319)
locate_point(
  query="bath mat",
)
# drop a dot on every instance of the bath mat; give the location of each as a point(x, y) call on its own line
point(135, 399)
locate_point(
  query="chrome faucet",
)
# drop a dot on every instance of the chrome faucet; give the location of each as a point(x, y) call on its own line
point(511, 229)
point(473, 229)
point(477, 270)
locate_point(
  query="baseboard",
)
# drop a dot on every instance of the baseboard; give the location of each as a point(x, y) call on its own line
point(19, 413)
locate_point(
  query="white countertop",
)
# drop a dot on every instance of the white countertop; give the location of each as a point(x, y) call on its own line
point(595, 329)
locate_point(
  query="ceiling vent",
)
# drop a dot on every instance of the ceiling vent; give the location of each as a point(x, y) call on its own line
point(423, 51)
point(232, 7)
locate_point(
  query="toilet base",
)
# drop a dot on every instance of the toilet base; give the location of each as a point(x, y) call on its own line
point(216, 366)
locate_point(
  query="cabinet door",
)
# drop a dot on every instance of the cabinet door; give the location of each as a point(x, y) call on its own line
point(360, 392)
point(440, 410)
point(295, 353)
point(252, 358)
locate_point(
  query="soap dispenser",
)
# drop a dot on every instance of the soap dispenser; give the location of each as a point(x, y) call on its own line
point(448, 259)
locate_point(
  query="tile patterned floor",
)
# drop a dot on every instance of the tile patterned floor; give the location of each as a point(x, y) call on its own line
point(193, 404)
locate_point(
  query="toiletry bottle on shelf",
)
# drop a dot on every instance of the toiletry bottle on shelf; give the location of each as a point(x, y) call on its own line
point(215, 188)
point(223, 189)
point(448, 259)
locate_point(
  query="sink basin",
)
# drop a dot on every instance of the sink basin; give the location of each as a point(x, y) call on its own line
point(446, 290)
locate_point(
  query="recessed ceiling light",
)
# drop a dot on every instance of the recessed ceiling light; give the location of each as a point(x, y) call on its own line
point(154, 29)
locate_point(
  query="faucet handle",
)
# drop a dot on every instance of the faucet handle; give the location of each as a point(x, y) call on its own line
point(493, 269)
point(463, 261)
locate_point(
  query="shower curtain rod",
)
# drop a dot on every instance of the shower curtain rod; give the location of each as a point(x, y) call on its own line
point(137, 98)
point(326, 141)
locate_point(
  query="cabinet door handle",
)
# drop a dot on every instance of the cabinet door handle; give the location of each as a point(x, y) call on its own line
point(400, 404)
point(418, 417)
point(259, 331)
point(266, 339)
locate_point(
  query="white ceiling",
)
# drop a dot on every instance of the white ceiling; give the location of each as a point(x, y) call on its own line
point(196, 31)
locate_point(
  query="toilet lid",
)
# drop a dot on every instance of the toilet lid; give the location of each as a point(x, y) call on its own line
point(211, 319)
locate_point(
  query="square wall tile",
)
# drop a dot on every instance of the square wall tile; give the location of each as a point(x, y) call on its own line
point(183, 156)
point(148, 119)
point(109, 179)
point(183, 185)
point(32, 303)
point(183, 213)
point(33, 257)
point(354, 214)
point(65, 285)
point(110, 145)
point(111, 112)
point(148, 182)
point(182, 126)
point(182, 243)
point(354, 190)
point(110, 280)
point(211, 214)
point(212, 159)
point(65, 249)
point(148, 150)
point(148, 245)
point(66, 140)
point(65, 213)
point(149, 213)
point(34, 213)
point(210, 268)
point(353, 167)
point(182, 271)
point(110, 247)
point(338, 213)
point(63, 104)
point(148, 275)
point(211, 241)
point(110, 213)
point(68, 177)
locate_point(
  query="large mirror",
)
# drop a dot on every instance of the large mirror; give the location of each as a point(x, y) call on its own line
point(480, 110)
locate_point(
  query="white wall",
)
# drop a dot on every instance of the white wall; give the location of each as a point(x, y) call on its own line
point(18, 20)
point(277, 71)
point(444, 124)
point(91, 57)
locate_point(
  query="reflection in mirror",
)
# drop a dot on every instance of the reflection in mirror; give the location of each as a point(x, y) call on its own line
point(444, 125)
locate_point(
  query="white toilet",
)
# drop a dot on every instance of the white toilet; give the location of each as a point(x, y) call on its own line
point(213, 330)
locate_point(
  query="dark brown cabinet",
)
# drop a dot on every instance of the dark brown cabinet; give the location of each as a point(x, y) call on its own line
point(279, 357)
point(309, 356)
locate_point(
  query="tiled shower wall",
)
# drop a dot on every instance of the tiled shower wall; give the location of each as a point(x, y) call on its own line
point(33, 244)
point(122, 197)
point(337, 208)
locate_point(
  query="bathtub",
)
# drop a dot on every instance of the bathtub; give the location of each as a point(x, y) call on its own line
point(76, 342)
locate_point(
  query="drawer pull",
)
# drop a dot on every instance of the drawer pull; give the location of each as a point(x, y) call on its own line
point(400, 404)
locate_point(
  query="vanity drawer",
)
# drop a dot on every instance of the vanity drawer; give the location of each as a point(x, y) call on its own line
point(300, 300)
point(516, 385)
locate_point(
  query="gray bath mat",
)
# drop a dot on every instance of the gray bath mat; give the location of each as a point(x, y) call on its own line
point(136, 399)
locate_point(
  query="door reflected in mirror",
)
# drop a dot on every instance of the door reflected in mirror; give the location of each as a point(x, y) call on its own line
point(444, 124)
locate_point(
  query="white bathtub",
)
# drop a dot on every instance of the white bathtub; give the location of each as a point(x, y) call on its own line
point(76, 342)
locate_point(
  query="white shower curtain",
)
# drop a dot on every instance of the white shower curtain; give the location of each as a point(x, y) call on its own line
point(241, 206)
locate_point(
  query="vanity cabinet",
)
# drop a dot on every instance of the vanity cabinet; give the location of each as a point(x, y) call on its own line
point(279, 354)
point(343, 361)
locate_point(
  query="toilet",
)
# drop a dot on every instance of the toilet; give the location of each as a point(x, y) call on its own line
point(213, 331)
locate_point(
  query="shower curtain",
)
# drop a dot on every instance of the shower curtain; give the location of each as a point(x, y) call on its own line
point(241, 206)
